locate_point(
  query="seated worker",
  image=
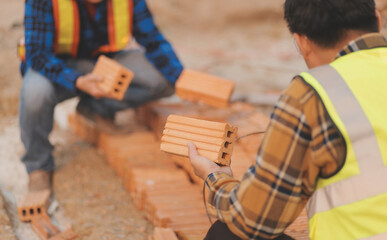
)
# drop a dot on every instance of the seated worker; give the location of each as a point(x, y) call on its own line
point(62, 42)
point(326, 146)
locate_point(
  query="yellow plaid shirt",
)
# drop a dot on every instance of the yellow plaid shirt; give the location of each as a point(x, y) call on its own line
point(301, 144)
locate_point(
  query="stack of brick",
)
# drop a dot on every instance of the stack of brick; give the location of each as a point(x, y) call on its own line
point(138, 148)
point(84, 128)
point(166, 193)
point(155, 115)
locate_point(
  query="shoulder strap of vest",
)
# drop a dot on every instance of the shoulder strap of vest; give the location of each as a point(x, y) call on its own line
point(119, 19)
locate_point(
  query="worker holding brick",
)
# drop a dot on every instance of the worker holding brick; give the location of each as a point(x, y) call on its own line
point(326, 147)
point(63, 39)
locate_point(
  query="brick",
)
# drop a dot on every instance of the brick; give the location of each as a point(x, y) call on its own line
point(201, 87)
point(214, 140)
point(84, 128)
point(66, 235)
point(43, 227)
point(184, 163)
point(116, 78)
point(164, 234)
point(33, 204)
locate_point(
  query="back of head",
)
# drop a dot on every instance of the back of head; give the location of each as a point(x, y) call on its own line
point(326, 22)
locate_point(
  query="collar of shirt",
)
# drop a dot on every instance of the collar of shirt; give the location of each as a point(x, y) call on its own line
point(367, 41)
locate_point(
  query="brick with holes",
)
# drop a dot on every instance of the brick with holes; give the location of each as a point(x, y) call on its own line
point(201, 87)
point(33, 204)
point(116, 78)
point(214, 140)
point(42, 226)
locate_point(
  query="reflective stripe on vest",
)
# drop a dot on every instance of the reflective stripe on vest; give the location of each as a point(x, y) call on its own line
point(353, 203)
point(66, 16)
point(67, 22)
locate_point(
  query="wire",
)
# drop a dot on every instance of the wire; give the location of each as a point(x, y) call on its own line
point(249, 134)
point(205, 203)
point(204, 184)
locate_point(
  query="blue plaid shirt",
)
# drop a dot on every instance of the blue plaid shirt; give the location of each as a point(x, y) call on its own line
point(40, 31)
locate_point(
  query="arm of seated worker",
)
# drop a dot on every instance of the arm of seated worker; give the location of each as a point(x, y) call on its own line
point(158, 50)
point(39, 43)
point(273, 191)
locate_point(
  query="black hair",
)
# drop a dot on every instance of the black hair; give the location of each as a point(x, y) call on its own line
point(326, 22)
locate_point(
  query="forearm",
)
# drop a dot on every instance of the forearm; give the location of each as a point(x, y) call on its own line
point(158, 50)
point(251, 208)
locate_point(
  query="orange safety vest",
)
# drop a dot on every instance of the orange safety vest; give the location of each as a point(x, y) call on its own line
point(67, 26)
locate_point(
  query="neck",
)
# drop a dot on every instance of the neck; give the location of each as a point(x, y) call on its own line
point(323, 55)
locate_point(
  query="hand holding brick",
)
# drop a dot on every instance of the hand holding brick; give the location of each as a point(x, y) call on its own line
point(116, 78)
point(214, 140)
point(201, 87)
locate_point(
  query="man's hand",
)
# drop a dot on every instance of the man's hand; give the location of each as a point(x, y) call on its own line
point(89, 84)
point(202, 166)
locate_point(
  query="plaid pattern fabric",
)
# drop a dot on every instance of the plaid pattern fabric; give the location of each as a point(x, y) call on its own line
point(301, 144)
point(40, 32)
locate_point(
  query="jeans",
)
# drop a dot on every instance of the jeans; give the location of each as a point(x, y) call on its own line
point(39, 96)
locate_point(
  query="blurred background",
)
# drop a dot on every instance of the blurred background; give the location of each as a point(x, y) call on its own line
point(244, 41)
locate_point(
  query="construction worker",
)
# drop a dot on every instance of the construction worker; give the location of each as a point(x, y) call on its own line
point(63, 39)
point(326, 146)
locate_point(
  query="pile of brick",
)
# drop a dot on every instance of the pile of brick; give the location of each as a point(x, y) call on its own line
point(164, 185)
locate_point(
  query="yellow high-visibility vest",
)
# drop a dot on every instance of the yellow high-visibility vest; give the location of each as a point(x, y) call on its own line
point(352, 204)
point(66, 16)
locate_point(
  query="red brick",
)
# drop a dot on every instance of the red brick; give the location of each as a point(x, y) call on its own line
point(202, 87)
point(84, 128)
point(214, 140)
point(116, 78)
point(33, 204)
point(43, 227)
point(185, 164)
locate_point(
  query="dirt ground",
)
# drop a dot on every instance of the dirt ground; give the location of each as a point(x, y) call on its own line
point(245, 41)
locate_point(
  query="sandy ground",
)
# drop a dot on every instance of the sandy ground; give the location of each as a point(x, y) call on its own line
point(245, 41)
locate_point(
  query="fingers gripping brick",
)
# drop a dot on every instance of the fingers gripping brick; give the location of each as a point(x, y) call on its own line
point(201, 87)
point(116, 78)
point(214, 140)
point(33, 204)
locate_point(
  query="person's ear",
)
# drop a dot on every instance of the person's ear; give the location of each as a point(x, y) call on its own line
point(303, 44)
point(379, 17)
